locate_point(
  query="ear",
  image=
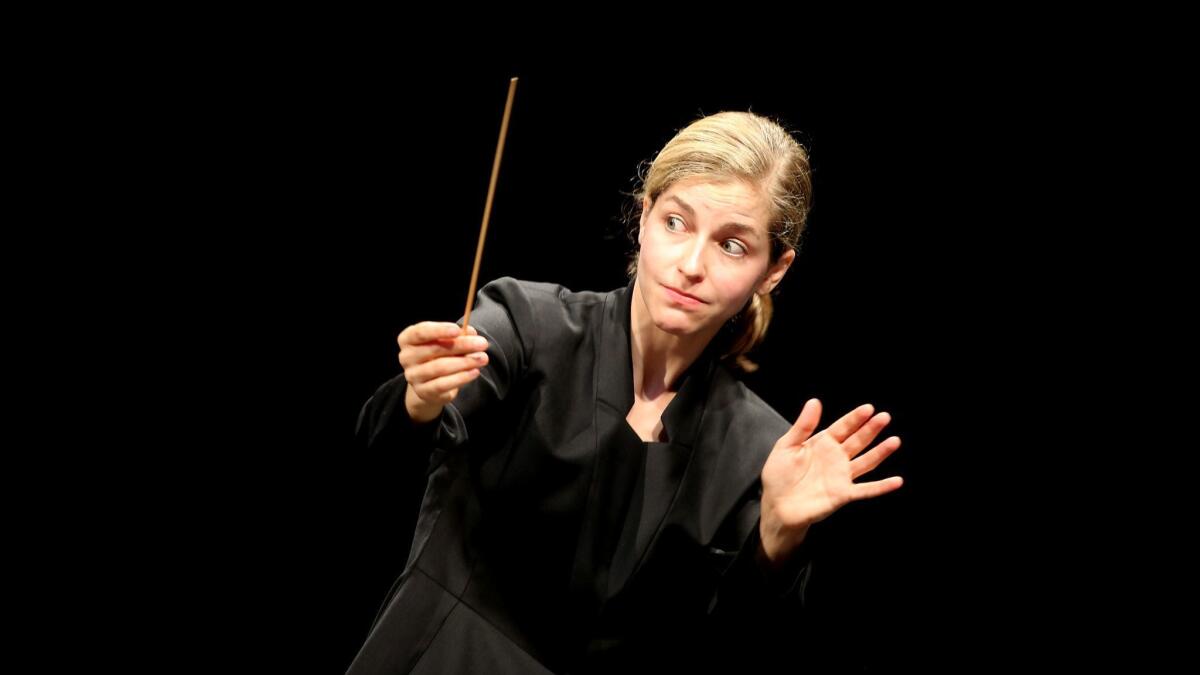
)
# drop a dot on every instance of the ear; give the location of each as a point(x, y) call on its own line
point(776, 272)
point(642, 220)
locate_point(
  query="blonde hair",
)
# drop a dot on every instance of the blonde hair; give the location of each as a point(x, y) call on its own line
point(737, 146)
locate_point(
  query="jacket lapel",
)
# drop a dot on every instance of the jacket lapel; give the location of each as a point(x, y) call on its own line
point(620, 451)
point(617, 461)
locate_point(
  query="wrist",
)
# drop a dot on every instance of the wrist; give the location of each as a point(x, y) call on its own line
point(777, 542)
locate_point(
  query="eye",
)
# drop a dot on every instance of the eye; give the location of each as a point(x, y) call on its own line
point(738, 249)
point(671, 219)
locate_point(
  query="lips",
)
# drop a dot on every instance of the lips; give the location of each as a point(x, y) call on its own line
point(679, 292)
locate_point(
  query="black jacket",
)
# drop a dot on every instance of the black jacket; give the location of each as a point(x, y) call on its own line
point(551, 538)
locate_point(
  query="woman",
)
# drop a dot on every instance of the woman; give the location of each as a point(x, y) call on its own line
point(603, 494)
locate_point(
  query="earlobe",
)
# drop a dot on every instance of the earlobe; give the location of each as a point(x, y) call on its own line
point(774, 277)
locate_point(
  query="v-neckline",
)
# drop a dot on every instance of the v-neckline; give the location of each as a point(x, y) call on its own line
point(660, 422)
point(613, 371)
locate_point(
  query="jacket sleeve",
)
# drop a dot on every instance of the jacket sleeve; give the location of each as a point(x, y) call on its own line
point(504, 315)
point(747, 589)
point(757, 619)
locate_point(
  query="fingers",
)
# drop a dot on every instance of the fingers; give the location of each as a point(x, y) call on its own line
point(414, 355)
point(806, 423)
point(444, 389)
point(440, 357)
point(876, 488)
point(427, 331)
point(444, 365)
point(430, 340)
point(850, 422)
point(868, 462)
point(865, 434)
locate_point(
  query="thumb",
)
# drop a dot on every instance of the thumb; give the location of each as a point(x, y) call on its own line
point(806, 423)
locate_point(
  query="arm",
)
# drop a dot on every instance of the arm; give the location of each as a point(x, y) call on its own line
point(754, 583)
point(503, 314)
point(806, 478)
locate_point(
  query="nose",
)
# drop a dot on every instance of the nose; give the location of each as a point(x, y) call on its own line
point(691, 263)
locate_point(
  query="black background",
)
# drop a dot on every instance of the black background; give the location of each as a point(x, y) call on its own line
point(305, 197)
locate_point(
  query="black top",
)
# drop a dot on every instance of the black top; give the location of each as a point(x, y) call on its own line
point(551, 537)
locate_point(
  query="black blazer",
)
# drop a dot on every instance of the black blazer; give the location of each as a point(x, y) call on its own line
point(551, 538)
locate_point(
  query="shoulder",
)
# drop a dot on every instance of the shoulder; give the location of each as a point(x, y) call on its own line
point(748, 416)
point(541, 305)
point(541, 294)
point(537, 315)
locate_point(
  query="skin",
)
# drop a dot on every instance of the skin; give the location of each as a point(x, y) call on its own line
point(687, 244)
point(438, 359)
point(808, 475)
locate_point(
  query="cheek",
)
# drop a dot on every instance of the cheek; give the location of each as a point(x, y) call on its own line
point(651, 251)
point(735, 288)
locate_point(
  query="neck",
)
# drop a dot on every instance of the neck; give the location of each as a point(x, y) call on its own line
point(659, 357)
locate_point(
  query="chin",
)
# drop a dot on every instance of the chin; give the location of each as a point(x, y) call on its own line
point(673, 322)
point(673, 328)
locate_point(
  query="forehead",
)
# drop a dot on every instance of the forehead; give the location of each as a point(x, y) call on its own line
point(723, 200)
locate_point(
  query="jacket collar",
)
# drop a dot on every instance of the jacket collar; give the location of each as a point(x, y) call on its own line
point(614, 376)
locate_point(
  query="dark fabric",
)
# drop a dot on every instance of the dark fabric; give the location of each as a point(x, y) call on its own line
point(551, 537)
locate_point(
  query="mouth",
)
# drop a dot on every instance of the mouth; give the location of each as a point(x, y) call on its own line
point(681, 297)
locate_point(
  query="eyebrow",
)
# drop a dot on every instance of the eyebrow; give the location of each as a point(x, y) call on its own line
point(740, 228)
